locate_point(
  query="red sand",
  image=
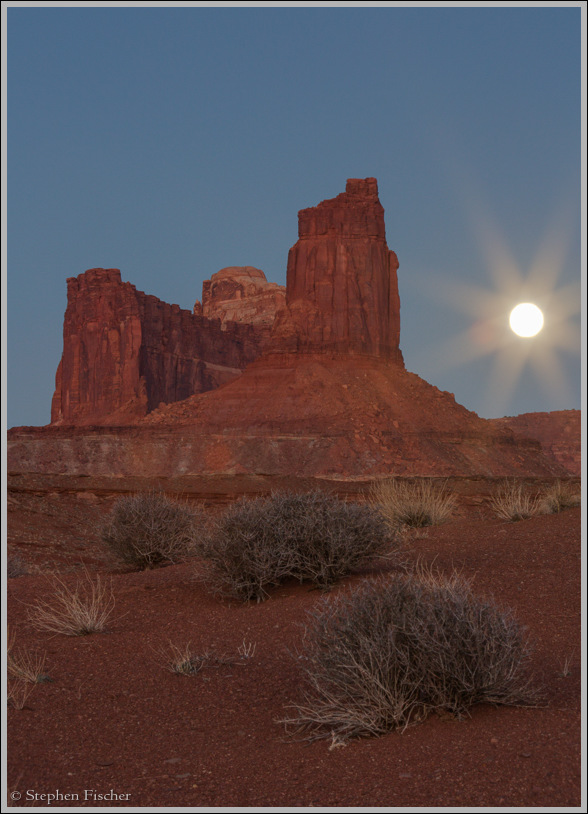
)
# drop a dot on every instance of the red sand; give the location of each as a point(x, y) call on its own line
point(114, 717)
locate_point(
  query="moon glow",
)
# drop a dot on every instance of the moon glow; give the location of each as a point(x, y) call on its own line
point(526, 319)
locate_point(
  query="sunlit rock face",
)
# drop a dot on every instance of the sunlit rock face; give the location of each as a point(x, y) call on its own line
point(241, 294)
point(342, 285)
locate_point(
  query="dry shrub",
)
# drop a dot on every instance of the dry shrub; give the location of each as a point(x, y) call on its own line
point(415, 503)
point(77, 611)
point(511, 502)
point(244, 557)
point(256, 544)
point(147, 529)
point(23, 670)
point(184, 661)
point(386, 655)
point(561, 495)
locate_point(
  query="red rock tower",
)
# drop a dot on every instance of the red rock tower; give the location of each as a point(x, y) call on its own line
point(342, 284)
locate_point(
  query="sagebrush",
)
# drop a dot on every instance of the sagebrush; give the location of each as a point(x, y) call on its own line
point(148, 529)
point(413, 503)
point(387, 654)
point(256, 544)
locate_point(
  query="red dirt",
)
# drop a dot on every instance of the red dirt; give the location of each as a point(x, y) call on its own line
point(114, 717)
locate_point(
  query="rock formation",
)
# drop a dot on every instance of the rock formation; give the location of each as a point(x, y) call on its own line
point(558, 432)
point(125, 352)
point(342, 285)
point(241, 294)
point(328, 396)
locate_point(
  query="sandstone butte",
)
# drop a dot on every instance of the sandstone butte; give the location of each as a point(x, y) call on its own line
point(310, 383)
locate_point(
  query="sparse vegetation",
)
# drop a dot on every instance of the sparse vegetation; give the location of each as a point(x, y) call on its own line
point(148, 529)
point(77, 611)
point(561, 495)
point(392, 651)
point(23, 670)
point(183, 661)
point(413, 503)
point(512, 502)
point(256, 544)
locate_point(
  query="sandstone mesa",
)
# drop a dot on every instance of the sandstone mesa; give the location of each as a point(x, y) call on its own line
point(308, 380)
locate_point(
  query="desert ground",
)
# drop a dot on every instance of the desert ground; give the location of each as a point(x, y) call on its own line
point(114, 720)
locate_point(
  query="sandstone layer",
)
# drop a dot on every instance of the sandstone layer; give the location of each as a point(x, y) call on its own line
point(558, 432)
point(295, 415)
point(126, 352)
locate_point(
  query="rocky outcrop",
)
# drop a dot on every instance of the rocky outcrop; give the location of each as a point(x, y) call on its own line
point(342, 285)
point(126, 352)
point(328, 397)
point(295, 415)
point(558, 432)
point(241, 294)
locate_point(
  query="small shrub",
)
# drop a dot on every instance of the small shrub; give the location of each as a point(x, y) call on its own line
point(244, 555)
point(23, 669)
point(386, 655)
point(412, 503)
point(560, 496)
point(512, 503)
point(183, 661)
point(186, 663)
point(327, 537)
point(256, 544)
point(79, 611)
point(147, 529)
point(24, 666)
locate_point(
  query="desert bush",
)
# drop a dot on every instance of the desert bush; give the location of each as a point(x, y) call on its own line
point(561, 495)
point(147, 529)
point(415, 503)
point(256, 544)
point(511, 502)
point(23, 669)
point(387, 654)
point(78, 611)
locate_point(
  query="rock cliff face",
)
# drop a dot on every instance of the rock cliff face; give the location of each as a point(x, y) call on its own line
point(125, 352)
point(558, 432)
point(241, 294)
point(342, 285)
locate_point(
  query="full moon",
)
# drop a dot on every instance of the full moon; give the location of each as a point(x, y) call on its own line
point(526, 319)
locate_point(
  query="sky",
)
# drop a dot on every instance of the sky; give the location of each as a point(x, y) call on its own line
point(171, 142)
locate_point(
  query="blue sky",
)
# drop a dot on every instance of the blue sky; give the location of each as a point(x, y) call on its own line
point(171, 142)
